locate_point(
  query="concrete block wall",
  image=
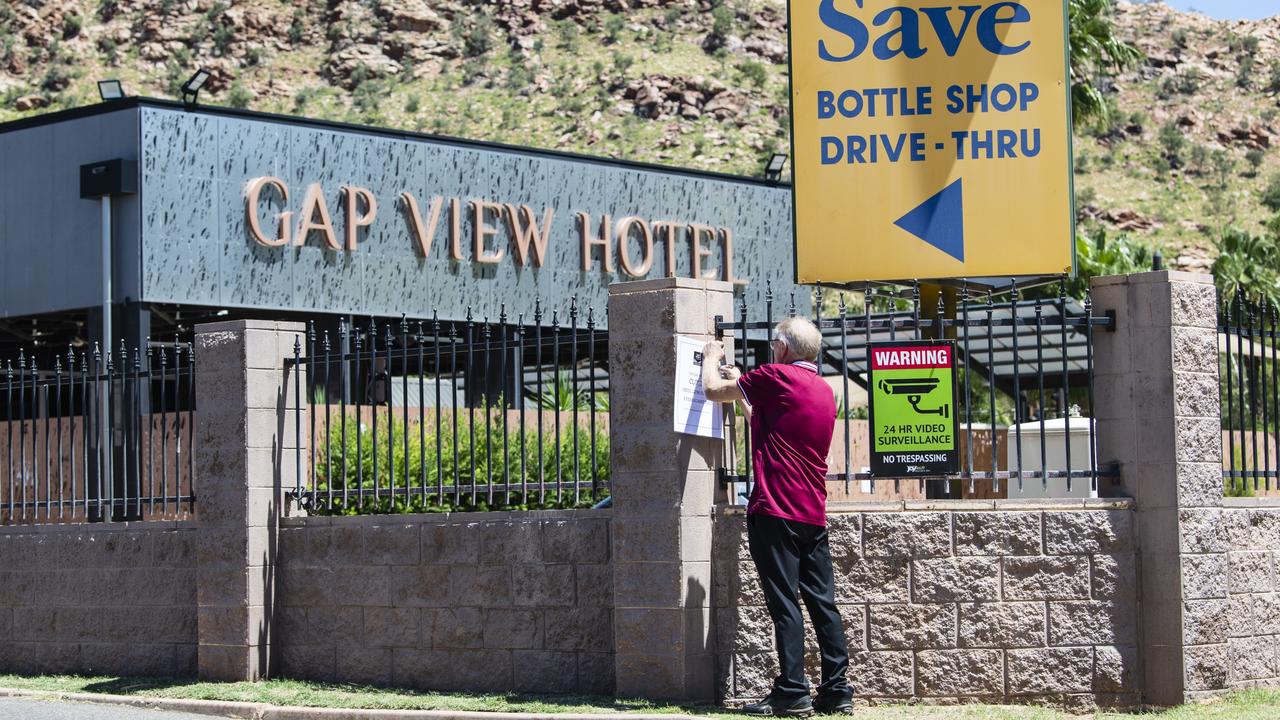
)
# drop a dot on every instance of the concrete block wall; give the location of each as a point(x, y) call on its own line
point(1156, 392)
point(246, 452)
point(482, 602)
point(664, 489)
point(1248, 602)
point(957, 602)
point(103, 599)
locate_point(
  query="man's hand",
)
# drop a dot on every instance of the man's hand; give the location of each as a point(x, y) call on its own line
point(719, 382)
point(712, 353)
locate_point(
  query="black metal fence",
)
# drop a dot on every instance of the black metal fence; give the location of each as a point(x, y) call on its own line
point(90, 438)
point(1250, 395)
point(435, 415)
point(1024, 356)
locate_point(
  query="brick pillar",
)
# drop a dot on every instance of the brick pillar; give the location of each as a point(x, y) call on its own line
point(1156, 391)
point(664, 485)
point(244, 448)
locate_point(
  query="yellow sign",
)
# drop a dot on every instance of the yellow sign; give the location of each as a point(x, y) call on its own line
point(932, 139)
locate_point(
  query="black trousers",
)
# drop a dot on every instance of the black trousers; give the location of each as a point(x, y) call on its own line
point(789, 556)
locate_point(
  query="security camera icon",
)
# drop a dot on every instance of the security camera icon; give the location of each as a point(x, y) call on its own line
point(915, 389)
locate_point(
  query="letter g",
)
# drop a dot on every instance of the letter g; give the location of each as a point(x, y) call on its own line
point(846, 25)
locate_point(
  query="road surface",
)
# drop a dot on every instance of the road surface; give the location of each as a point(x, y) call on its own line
point(23, 709)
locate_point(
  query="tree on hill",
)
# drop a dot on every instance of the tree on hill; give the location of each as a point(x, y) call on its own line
point(1095, 52)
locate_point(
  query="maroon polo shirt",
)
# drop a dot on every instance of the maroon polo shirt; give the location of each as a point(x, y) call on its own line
point(792, 415)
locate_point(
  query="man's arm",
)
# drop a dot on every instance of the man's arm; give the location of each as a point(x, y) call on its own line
point(719, 382)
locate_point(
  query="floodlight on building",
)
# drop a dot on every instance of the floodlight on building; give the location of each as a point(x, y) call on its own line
point(773, 170)
point(191, 88)
point(110, 89)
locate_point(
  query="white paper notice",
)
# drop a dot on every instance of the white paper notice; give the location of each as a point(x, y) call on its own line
point(695, 415)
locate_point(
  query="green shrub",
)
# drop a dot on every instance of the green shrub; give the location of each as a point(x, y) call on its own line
point(754, 72)
point(1101, 255)
point(367, 94)
point(453, 461)
point(1244, 73)
point(1271, 194)
point(1247, 44)
point(175, 72)
point(519, 75)
point(296, 28)
point(1182, 83)
point(478, 39)
point(1109, 123)
point(1255, 157)
point(72, 25)
point(1200, 157)
point(1237, 487)
point(109, 49)
point(1173, 142)
point(303, 98)
point(1247, 264)
point(567, 35)
point(239, 96)
point(57, 78)
point(412, 104)
point(1086, 196)
point(222, 37)
point(663, 42)
point(614, 24)
point(721, 21)
point(107, 9)
point(1273, 77)
point(622, 62)
point(472, 69)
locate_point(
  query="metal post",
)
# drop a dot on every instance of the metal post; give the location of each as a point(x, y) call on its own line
point(106, 271)
point(106, 465)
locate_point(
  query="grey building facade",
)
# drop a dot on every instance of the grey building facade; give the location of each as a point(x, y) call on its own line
point(248, 214)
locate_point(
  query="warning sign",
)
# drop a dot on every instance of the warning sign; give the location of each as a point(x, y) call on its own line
point(914, 428)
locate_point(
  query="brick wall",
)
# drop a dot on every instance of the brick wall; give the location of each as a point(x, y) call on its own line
point(1249, 604)
point(98, 599)
point(950, 602)
point(478, 602)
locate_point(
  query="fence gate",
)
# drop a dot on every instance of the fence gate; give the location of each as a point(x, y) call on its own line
point(1024, 356)
point(85, 437)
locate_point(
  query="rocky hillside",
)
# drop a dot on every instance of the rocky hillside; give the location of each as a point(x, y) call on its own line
point(1190, 149)
point(661, 80)
point(1186, 153)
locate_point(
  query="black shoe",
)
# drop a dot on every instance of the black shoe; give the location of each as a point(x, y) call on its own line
point(774, 707)
point(834, 703)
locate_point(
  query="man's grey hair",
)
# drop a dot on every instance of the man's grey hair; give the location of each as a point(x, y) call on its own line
point(801, 336)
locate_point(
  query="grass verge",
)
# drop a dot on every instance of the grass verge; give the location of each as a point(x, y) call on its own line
point(1248, 705)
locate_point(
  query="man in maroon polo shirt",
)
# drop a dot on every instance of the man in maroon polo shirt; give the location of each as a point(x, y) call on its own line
point(792, 413)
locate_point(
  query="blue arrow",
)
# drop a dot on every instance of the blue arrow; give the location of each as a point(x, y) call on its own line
point(939, 220)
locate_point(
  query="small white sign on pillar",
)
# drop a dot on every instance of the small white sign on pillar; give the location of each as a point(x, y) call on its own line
point(695, 415)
